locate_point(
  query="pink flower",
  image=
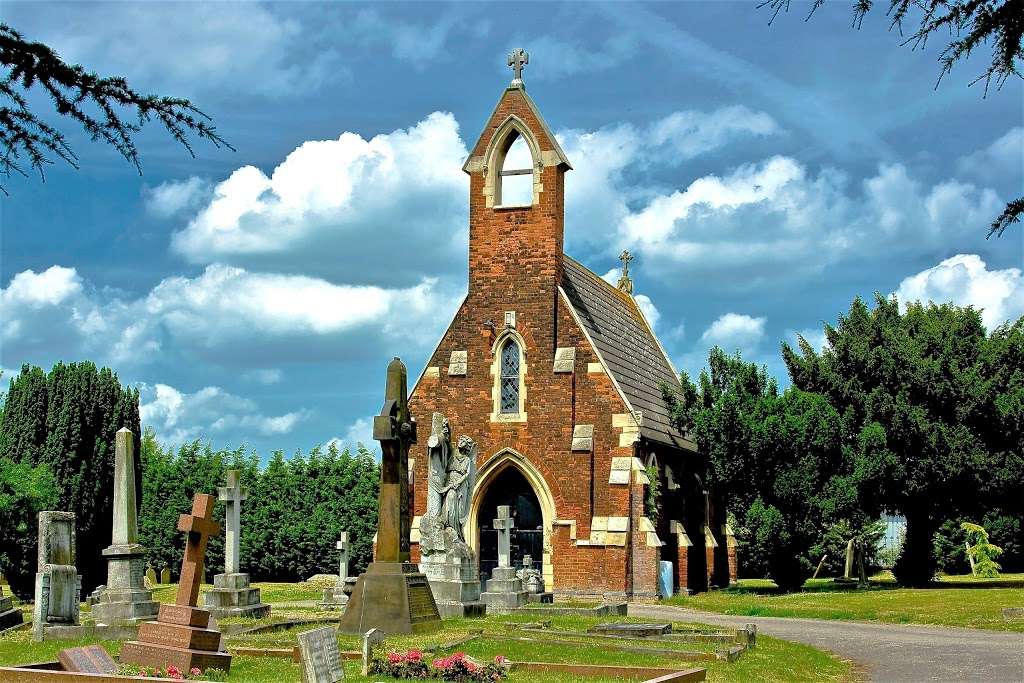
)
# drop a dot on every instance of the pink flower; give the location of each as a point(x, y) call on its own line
point(195, 671)
point(415, 655)
point(501, 659)
point(394, 658)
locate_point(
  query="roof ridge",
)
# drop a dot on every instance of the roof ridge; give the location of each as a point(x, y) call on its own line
point(625, 296)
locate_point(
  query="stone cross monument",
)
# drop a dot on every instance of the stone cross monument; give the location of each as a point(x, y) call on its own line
point(180, 636)
point(232, 596)
point(445, 557)
point(504, 589)
point(58, 585)
point(125, 600)
point(335, 598)
point(392, 595)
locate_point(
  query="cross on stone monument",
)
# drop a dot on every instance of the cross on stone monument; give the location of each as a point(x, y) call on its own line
point(517, 59)
point(199, 526)
point(232, 496)
point(342, 546)
point(503, 525)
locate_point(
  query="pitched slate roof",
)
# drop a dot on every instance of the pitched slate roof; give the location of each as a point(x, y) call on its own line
point(628, 348)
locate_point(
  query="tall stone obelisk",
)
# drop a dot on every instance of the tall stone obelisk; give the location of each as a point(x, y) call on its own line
point(126, 600)
point(392, 595)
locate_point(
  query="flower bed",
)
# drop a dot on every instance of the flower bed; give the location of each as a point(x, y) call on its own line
point(456, 667)
point(171, 672)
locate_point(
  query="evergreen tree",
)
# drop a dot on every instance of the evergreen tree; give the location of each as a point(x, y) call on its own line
point(937, 409)
point(24, 491)
point(68, 424)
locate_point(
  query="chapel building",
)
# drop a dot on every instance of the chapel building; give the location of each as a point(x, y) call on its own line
point(557, 376)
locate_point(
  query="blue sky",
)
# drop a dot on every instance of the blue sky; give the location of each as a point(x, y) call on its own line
point(762, 176)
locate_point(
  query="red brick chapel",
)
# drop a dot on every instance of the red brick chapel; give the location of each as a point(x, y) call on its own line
point(557, 376)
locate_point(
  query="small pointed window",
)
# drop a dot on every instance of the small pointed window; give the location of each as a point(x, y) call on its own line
point(510, 377)
point(515, 180)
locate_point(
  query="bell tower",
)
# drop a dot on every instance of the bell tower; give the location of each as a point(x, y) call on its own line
point(516, 196)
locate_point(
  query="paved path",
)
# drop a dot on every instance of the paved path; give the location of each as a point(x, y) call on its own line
point(888, 652)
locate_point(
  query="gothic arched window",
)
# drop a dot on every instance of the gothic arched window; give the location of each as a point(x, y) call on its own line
point(510, 377)
point(514, 183)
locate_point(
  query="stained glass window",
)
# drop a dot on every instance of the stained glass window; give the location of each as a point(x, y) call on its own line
point(510, 377)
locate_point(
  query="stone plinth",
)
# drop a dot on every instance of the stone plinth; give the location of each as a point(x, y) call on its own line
point(393, 597)
point(58, 585)
point(125, 600)
point(179, 637)
point(9, 614)
point(232, 596)
point(455, 585)
point(504, 592)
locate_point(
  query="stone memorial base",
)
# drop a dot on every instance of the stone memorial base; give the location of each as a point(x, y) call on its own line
point(125, 599)
point(545, 598)
point(456, 587)
point(504, 592)
point(232, 596)
point(180, 637)
point(334, 599)
point(393, 597)
point(9, 614)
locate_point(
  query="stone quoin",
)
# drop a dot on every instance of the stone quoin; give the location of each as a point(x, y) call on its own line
point(558, 376)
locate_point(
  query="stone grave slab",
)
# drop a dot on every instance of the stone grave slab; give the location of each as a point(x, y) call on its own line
point(58, 585)
point(9, 614)
point(321, 658)
point(165, 575)
point(632, 630)
point(372, 637)
point(92, 659)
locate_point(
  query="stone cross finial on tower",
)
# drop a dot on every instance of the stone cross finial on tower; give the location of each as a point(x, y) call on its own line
point(517, 59)
point(625, 284)
point(232, 495)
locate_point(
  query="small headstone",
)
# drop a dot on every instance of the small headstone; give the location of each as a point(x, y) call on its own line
point(1013, 613)
point(505, 589)
point(151, 576)
point(370, 638)
point(165, 575)
point(321, 659)
point(92, 659)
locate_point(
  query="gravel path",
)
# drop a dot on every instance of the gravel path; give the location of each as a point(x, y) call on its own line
point(888, 652)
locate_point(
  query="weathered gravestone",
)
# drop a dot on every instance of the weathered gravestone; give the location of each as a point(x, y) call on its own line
point(58, 585)
point(180, 636)
point(321, 659)
point(9, 614)
point(151, 577)
point(370, 639)
point(165, 576)
point(232, 596)
point(91, 659)
point(445, 557)
point(392, 594)
point(336, 597)
point(126, 600)
point(504, 589)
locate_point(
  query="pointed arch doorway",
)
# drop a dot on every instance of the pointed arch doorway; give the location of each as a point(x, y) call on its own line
point(507, 478)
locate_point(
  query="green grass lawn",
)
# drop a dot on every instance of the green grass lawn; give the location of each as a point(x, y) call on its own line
point(945, 604)
point(772, 660)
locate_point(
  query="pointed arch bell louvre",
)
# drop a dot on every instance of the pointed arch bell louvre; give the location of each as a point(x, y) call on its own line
point(510, 377)
point(514, 184)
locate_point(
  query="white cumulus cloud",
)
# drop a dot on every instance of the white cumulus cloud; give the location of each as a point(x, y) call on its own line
point(965, 280)
point(734, 331)
point(209, 412)
point(170, 198)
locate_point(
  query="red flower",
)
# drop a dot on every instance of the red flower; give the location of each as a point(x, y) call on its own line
point(394, 658)
point(195, 671)
point(501, 659)
point(414, 655)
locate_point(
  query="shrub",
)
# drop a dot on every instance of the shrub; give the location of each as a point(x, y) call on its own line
point(950, 548)
point(983, 552)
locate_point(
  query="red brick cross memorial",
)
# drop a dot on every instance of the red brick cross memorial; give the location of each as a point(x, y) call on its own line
point(180, 635)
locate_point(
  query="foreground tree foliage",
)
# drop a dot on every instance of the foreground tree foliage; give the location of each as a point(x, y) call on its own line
point(296, 508)
point(64, 421)
point(106, 108)
point(24, 491)
point(937, 410)
point(968, 25)
point(780, 461)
